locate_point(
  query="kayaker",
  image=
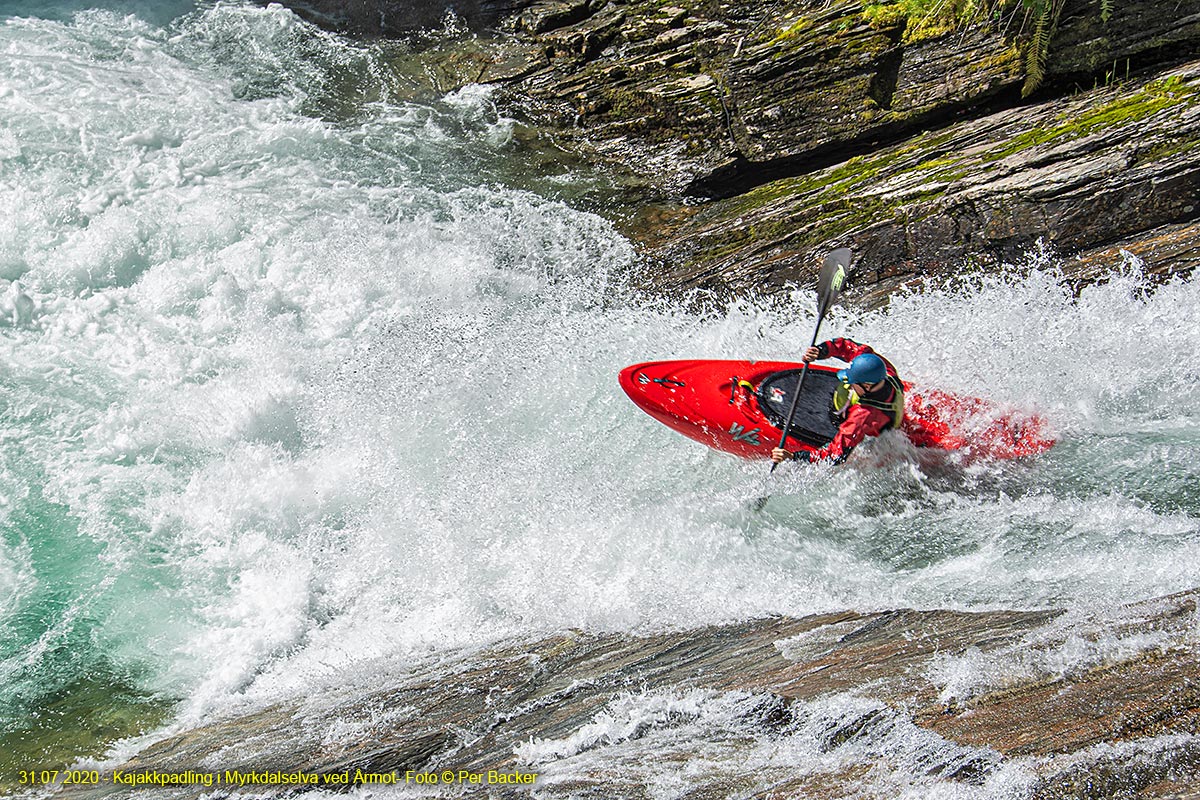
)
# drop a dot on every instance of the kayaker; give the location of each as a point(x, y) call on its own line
point(869, 400)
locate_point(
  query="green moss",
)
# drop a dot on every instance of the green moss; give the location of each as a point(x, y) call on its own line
point(1172, 84)
point(1164, 150)
point(885, 15)
point(945, 168)
point(831, 202)
point(1151, 99)
point(951, 175)
point(931, 19)
point(793, 30)
point(934, 163)
point(628, 104)
point(1008, 58)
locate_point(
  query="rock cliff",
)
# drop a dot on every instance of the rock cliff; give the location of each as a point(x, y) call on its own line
point(761, 134)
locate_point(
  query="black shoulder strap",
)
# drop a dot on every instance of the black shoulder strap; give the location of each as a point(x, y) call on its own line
point(888, 405)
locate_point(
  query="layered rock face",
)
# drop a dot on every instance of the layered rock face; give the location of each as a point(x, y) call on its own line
point(1044, 704)
point(762, 134)
point(1111, 166)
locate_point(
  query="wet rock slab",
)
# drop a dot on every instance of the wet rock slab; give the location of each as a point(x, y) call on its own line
point(1119, 720)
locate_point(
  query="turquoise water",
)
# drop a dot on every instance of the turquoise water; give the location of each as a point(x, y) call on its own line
point(298, 379)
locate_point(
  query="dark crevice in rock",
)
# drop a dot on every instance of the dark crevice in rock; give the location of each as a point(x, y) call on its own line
point(546, 17)
point(883, 83)
point(1120, 69)
point(742, 175)
point(882, 87)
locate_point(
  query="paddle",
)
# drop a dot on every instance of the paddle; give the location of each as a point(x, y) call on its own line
point(834, 272)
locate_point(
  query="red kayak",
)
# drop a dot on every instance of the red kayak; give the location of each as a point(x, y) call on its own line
point(740, 407)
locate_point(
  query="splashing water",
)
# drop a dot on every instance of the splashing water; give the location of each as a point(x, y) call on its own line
point(291, 381)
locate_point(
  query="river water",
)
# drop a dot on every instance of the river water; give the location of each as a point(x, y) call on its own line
point(297, 378)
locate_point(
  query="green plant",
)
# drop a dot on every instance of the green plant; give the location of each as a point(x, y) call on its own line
point(927, 19)
point(1045, 15)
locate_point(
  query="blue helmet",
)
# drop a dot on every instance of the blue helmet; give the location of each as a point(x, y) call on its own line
point(865, 369)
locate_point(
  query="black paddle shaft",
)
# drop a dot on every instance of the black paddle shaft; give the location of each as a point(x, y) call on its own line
point(833, 277)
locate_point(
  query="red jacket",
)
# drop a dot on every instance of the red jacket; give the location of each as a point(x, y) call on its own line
point(861, 421)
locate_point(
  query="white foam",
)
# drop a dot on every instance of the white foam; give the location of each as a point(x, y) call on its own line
point(747, 740)
point(1080, 640)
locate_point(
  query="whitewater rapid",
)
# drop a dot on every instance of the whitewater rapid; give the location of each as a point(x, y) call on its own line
point(295, 381)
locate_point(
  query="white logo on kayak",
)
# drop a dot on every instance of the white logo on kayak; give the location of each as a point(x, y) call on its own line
point(740, 434)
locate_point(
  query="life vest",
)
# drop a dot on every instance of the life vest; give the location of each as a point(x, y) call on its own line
point(844, 397)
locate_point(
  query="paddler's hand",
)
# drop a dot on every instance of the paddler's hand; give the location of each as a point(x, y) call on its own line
point(812, 354)
point(779, 455)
